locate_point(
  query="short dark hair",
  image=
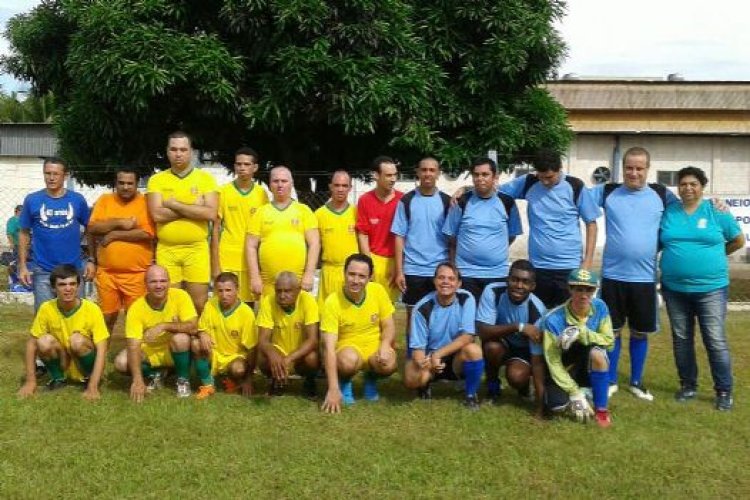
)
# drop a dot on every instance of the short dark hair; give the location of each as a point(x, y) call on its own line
point(449, 265)
point(227, 277)
point(19, 208)
point(695, 172)
point(428, 158)
point(547, 160)
point(56, 160)
point(63, 271)
point(179, 134)
point(247, 152)
point(127, 170)
point(359, 257)
point(484, 160)
point(379, 160)
point(637, 151)
point(523, 265)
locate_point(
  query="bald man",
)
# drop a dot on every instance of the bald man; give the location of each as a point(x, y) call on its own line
point(282, 236)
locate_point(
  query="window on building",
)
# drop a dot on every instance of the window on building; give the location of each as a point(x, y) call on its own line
point(666, 177)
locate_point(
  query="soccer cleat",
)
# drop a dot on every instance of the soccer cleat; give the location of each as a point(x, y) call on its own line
point(494, 391)
point(371, 387)
point(309, 389)
point(724, 401)
point(85, 384)
point(40, 369)
point(205, 391)
point(275, 388)
point(347, 392)
point(603, 418)
point(640, 391)
point(155, 382)
point(685, 394)
point(425, 393)
point(183, 388)
point(56, 384)
point(612, 390)
point(229, 385)
point(471, 402)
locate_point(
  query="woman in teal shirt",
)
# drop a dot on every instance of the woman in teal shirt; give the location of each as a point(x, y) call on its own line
point(696, 238)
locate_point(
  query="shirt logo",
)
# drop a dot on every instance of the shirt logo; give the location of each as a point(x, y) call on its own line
point(374, 318)
point(294, 222)
point(375, 221)
point(62, 217)
point(702, 223)
point(235, 334)
point(297, 325)
point(253, 210)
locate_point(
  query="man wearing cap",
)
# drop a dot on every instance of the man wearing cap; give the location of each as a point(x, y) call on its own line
point(577, 336)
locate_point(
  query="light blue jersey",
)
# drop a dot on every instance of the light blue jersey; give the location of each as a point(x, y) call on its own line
point(496, 308)
point(419, 220)
point(632, 218)
point(482, 228)
point(554, 231)
point(434, 326)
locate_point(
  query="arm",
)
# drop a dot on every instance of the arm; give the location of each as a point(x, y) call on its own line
point(312, 238)
point(309, 345)
point(364, 243)
point(252, 243)
point(735, 244)
point(496, 332)
point(132, 235)
point(190, 327)
point(452, 250)
point(158, 211)
point(102, 227)
point(206, 208)
point(387, 335)
point(553, 356)
point(399, 259)
point(537, 371)
point(332, 401)
point(137, 386)
point(455, 346)
point(605, 337)
point(588, 255)
point(276, 362)
point(215, 239)
point(24, 239)
point(92, 391)
point(29, 386)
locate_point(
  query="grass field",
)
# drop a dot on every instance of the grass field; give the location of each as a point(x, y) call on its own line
point(57, 445)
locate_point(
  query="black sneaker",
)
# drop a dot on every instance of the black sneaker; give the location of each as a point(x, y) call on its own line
point(85, 384)
point(425, 393)
point(309, 389)
point(55, 384)
point(275, 388)
point(685, 394)
point(472, 403)
point(492, 398)
point(724, 401)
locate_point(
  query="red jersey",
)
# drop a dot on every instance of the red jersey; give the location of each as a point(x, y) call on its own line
point(374, 219)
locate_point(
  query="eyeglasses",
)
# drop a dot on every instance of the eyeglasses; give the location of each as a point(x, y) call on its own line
point(583, 289)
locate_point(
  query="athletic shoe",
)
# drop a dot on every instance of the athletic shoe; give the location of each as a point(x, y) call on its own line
point(371, 387)
point(425, 393)
point(40, 369)
point(229, 385)
point(471, 402)
point(613, 388)
point(724, 401)
point(309, 388)
point(347, 392)
point(685, 394)
point(183, 388)
point(603, 418)
point(640, 391)
point(205, 391)
point(54, 384)
point(494, 391)
point(588, 393)
point(85, 384)
point(275, 388)
point(155, 382)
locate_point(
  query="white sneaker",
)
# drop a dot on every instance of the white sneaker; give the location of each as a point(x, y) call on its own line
point(183, 388)
point(155, 382)
point(613, 388)
point(641, 392)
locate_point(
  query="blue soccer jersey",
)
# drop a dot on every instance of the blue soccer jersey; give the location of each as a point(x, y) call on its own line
point(554, 231)
point(632, 218)
point(434, 326)
point(56, 225)
point(496, 308)
point(421, 225)
point(482, 228)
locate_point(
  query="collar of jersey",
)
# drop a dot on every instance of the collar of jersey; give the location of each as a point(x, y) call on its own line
point(357, 304)
point(291, 202)
point(71, 312)
point(571, 318)
point(244, 193)
point(184, 175)
point(338, 212)
point(231, 310)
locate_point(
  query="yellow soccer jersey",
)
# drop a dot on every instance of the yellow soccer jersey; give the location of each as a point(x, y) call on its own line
point(86, 319)
point(288, 328)
point(233, 331)
point(282, 238)
point(141, 317)
point(356, 323)
point(186, 190)
point(236, 208)
point(337, 236)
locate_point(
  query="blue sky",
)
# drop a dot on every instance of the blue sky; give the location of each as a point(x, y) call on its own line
point(702, 40)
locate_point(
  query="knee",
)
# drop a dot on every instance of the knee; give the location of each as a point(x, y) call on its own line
point(180, 342)
point(80, 345)
point(47, 345)
point(638, 335)
point(471, 352)
point(121, 361)
point(347, 362)
point(599, 360)
point(197, 349)
point(311, 361)
point(237, 369)
point(493, 352)
point(518, 374)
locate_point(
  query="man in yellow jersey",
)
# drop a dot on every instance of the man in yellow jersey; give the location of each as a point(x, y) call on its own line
point(288, 335)
point(67, 329)
point(283, 236)
point(238, 202)
point(358, 330)
point(158, 330)
point(121, 238)
point(338, 238)
point(226, 340)
point(182, 201)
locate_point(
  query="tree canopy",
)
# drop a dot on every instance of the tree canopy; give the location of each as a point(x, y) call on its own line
point(15, 108)
point(318, 84)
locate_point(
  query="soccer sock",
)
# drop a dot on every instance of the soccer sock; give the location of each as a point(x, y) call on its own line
point(87, 363)
point(203, 370)
point(147, 370)
point(181, 364)
point(473, 372)
point(600, 388)
point(54, 368)
point(493, 387)
point(638, 352)
point(614, 360)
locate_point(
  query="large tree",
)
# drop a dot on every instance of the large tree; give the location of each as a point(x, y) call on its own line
point(319, 84)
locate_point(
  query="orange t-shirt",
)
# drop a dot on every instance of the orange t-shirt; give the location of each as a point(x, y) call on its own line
point(124, 256)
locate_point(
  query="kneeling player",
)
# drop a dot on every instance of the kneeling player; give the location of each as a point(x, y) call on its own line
point(158, 329)
point(358, 329)
point(288, 334)
point(577, 336)
point(442, 338)
point(67, 329)
point(226, 340)
point(508, 321)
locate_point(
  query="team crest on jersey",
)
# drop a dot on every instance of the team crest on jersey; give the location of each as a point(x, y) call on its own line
point(374, 221)
point(253, 210)
point(374, 318)
point(297, 325)
point(294, 222)
point(56, 218)
point(235, 334)
point(702, 223)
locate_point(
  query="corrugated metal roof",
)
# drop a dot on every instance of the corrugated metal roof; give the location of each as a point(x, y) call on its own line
point(630, 95)
point(27, 139)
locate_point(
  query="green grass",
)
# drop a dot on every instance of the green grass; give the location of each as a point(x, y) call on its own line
point(57, 445)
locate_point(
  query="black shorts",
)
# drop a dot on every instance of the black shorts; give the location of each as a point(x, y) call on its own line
point(631, 303)
point(576, 361)
point(552, 286)
point(447, 373)
point(476, 286)
point(514, 352)
point(416, 288)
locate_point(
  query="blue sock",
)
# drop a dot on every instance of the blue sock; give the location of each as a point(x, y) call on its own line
point(473, 373)
point(614, 360)
point(638, 352)
point(371, 386)
point(347, 391)
point(599, 386)
point(493, 387)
